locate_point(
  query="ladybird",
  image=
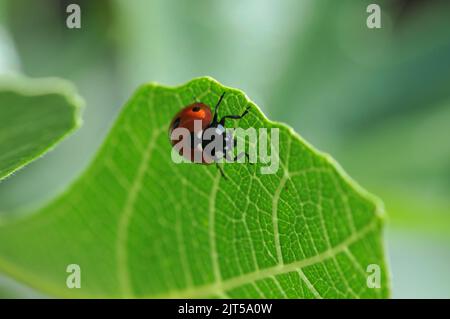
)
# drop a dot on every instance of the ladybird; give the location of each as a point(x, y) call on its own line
point(201, 112)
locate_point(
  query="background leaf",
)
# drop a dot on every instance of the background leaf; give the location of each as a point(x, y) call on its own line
point(141, 226)
point(34, 115)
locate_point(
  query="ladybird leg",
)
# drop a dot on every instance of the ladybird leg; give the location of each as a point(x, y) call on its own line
point(221, 171)
point(233, 117)
point(216, 109)
point(238, 156)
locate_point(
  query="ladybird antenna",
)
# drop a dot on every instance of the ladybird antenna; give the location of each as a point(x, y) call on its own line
point(216, 109)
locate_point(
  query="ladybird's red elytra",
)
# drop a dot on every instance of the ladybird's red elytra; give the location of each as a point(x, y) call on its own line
point(201, 112)
point(186, 117)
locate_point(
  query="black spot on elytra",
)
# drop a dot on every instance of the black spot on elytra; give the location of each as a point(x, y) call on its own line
point(195, 109)
point(176, 123)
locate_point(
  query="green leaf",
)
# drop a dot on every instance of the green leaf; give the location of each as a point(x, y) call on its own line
point(140, 225)
point(34, 116)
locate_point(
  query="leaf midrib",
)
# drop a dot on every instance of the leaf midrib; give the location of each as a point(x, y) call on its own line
point(127, 211)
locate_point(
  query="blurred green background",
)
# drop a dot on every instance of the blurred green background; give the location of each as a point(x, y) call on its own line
point(378, 100)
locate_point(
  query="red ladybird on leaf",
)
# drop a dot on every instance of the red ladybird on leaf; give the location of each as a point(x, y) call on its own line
point(201, 114)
